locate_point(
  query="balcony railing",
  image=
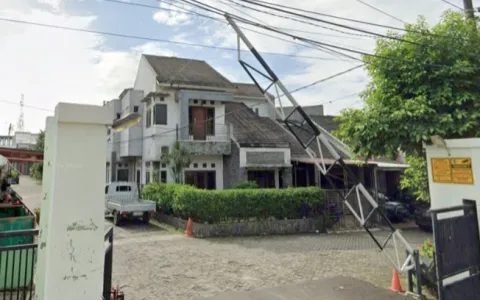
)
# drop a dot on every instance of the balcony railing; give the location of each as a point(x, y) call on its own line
point(205, 139)
point(206, 132)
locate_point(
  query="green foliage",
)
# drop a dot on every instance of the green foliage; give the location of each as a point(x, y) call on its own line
point(415, 178)
point(245, 185)
point(214, 206)
point(177, 160)
point(416, 91)
point(162, 194)
point(37, 215)
point(427, 249)
point(12, 173)
point(36, 171)
point(420, 90)
point(40, 144)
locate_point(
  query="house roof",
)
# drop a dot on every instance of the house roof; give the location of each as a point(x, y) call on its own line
point(251, 130)
point(187, 71)
point(249, 90)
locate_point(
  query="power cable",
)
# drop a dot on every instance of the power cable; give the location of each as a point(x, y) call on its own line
point(150, 39)
point(381, 11)
point(454, 5)
point(338, 17)
point(324, 21)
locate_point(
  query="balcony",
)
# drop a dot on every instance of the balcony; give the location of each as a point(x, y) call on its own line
point(206, 138)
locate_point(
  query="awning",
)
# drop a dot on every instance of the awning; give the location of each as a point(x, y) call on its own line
point(329, 161)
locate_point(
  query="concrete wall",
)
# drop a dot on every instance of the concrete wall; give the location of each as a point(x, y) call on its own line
point(232, 172)
point(131, 140)
point(446, 194)
point(270, 227)
point(146, 78)
point(265, 156)
point(259, 105)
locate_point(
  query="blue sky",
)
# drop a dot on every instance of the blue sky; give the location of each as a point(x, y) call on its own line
point(50, 65)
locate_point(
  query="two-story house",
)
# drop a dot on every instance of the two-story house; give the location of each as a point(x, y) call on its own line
point(180, 100)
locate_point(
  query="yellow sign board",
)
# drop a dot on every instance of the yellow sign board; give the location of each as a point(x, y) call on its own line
point(452, 170)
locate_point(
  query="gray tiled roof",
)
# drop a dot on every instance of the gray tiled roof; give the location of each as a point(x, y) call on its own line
point(249, 90)
point(187, 71)
point(251, 130)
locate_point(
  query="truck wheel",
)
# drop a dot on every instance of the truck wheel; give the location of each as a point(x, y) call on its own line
point(146, 217)
point(117, 218)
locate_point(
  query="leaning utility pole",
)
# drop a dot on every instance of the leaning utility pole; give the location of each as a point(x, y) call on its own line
point(468, 7)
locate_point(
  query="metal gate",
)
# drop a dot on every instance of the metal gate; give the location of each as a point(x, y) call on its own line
point(457, 251)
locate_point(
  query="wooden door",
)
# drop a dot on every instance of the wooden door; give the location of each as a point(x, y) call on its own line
point(199, 125)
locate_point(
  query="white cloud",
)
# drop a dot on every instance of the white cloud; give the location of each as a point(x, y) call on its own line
point(49, 65)
point(171, 15)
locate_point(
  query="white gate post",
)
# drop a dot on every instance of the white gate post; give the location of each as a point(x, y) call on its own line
point(71, 251)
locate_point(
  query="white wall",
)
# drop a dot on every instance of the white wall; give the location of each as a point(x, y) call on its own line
point(243, 154)
point(146, 78)
point(264, 109)
point(450, 194)
point(217, 160)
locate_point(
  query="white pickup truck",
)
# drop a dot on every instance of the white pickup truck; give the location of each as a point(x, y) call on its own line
point(122, 201)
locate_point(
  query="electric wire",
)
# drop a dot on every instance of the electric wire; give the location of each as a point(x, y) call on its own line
point(381, 11)
point(454, 5)
point(324, 21)
point(150, 39)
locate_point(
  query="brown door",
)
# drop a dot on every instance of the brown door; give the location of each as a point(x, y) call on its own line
point(199, 126)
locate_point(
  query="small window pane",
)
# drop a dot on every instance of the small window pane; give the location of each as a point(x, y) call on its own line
point(135, 108)
point(160, 113)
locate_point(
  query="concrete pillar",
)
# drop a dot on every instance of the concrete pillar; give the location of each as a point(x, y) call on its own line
point(50, 134)
point(73, 250)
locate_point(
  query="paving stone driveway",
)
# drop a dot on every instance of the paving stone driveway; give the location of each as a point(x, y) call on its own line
point(157, 263)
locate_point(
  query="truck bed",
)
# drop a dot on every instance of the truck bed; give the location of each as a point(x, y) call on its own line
point(140, 206)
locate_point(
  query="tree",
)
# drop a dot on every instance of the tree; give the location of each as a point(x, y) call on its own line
point(40, 144)
point(177, 160)
point(418, 89)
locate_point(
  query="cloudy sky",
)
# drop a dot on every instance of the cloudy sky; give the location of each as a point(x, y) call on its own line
point(49, 65)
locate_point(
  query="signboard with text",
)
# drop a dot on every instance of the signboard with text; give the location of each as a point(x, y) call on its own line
point(456, 170)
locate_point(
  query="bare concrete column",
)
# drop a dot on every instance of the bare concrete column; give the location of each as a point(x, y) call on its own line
point(73, 248)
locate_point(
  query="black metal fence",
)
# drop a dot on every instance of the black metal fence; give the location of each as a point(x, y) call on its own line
point(108, 266)
point(457, 251)
point(17, 264)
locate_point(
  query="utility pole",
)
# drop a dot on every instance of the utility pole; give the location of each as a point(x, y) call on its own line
point(468, 7)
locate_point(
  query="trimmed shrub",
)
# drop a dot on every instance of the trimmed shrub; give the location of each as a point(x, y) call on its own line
point(163, 194)
point(245, 185)
point(214, 206)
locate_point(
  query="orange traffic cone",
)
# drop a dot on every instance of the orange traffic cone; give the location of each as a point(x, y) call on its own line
point(396, 285)
point(188, 232)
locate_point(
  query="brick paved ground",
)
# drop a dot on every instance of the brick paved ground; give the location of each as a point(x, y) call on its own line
point(160, 264)
point(157, 263)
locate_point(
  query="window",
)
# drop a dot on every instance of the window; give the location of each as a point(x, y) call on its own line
point(147, 177)
point(160, 114)
point(164, 151)
point(123, 188)
point(264, 179)
point(135, 108)
point(106, 189)
point(138, 177)
point(163, 176)
point(148, 120)
point(122, 175)
point(118, 115)
point(210, 121)
point(201, 179)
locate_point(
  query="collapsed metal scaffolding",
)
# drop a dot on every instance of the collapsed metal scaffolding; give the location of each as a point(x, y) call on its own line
point(318, 138)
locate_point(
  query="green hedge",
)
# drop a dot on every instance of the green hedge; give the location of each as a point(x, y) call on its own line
point(242, 204)
point(245, 185)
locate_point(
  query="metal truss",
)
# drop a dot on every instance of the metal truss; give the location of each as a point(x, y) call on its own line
point(309, 135)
